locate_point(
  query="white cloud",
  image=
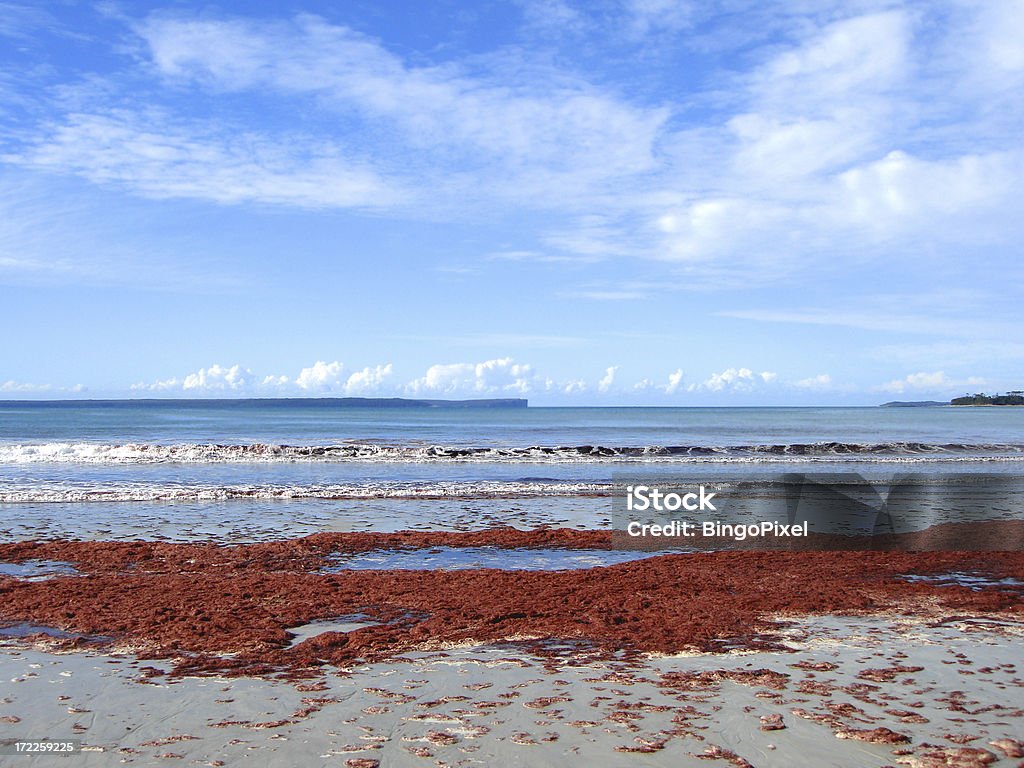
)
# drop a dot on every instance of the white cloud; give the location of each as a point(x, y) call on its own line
point(900, 190)
point(736, 379)
point(496, 377)
point(963, 352)
point(883, 318)
point(162, 385)
point(610, 295)
point(675, 380)
point(159, 157)
point(821, 381)
point(924, 381)
point(437, 105)
point(216, 378)
point(998, 34)
point(847, 138)
point(368, 380)
point(320, 376)
point(18, 20)
point(503, 340)
point(552, 16)
point(536, 131)
point(574, 386)
point(850, 130)
point(855, 57)
point(644, 17)
point(22, 388)
point(414, 135)
point(491, 376)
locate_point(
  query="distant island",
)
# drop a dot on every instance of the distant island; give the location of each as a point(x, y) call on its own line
point(1014, 397)
point(291, 402)
point(913, 403)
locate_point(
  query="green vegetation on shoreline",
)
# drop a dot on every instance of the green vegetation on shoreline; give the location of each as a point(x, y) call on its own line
point(1015, 397)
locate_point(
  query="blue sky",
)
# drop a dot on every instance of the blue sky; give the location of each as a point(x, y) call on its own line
point(622, 202)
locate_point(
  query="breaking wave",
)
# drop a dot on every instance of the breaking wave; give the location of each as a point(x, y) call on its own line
point(82, 492)
point(155, 453)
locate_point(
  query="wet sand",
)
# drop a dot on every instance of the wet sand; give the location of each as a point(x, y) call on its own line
point(853, 691)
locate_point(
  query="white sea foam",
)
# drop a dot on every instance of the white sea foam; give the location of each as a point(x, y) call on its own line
point(80, 492)
point(192, 453)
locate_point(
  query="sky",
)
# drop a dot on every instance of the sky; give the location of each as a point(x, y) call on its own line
point(618, 202)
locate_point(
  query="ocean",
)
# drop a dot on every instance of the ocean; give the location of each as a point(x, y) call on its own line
point(316, 584)
point(234, 471)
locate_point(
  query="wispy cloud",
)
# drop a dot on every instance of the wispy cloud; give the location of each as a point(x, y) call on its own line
point(846, 131)
point(433, 106)
point(931, 381)
point(953, 353)
point(17, 20)
point(821, 381)
point(22, 388)
point(151, 153)
point(882, 320)
point(51, 235)
point(610, 294)
point(503, 340)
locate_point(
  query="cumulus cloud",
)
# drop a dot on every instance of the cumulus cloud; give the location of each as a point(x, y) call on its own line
point(216, 378)
point(608, 379)
point(574, 386)
point(368, 380)
point(502, 376)
point(491, 376)
point(736, 379)
point(320, 376)
point(822, 145)
point(675, 380)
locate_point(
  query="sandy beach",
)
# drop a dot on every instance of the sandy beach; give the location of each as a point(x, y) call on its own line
point(851, 691)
